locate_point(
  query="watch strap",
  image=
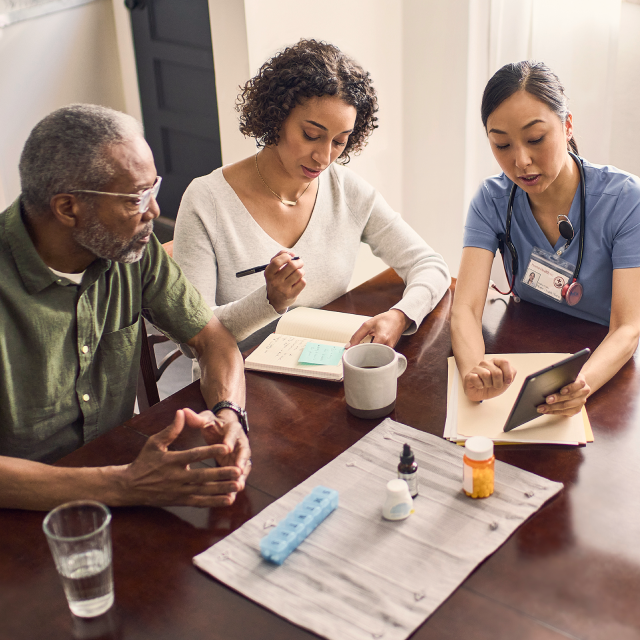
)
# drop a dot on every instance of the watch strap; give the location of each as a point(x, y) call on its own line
point(237, 409)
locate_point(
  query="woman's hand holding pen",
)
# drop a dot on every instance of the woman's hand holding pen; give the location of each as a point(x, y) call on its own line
point(488, 379)
point(285, 280)
point(385, 328)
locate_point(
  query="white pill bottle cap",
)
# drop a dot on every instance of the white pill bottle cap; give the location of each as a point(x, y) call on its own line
point(478, 448)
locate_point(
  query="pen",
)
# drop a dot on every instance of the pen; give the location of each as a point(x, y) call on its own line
point(262, 267)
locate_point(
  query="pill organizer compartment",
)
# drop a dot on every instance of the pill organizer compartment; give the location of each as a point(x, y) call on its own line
point(280, 542)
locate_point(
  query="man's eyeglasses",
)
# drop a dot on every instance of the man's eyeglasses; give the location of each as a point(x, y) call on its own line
point(143, 200)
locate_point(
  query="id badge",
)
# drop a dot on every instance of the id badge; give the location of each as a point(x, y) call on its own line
point(548, 273)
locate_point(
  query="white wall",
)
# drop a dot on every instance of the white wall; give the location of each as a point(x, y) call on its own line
point(47, 62)
point(625, 134)
point(450, 50)
point(127, 59)
point(231, 63)
point(429, 59)
point(371, 32)
point(435, 61)
point(580, 45)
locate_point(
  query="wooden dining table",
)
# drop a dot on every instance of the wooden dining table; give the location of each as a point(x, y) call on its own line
point(571, 571)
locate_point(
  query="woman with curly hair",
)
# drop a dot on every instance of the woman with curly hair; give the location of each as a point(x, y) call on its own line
point(308, 107)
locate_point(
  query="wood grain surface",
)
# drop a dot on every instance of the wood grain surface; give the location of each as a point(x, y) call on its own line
point(571, 571)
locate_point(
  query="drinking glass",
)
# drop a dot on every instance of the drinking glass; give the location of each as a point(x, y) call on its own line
point(79, 537)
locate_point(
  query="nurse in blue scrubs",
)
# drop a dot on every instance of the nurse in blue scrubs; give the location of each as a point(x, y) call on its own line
point(530, 130)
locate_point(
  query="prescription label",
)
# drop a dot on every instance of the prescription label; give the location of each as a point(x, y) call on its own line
point(467, 478)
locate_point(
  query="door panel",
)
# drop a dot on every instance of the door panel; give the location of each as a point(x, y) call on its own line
point(174, 58)
point(174, 82)
point(168, 23)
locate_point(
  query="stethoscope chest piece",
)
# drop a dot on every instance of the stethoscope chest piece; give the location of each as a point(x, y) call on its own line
point(572, 293)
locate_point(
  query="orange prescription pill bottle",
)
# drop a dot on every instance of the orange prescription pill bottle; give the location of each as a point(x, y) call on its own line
point(478, 467)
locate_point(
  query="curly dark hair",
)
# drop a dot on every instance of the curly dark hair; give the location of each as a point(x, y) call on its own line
point(305, 70)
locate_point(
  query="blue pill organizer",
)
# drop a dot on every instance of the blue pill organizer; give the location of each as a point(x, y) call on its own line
point(299, 523)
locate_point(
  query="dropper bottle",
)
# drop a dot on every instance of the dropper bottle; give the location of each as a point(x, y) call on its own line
point(408, 470)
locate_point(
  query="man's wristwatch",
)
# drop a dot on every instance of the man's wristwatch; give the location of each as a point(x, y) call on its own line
point(242, 414)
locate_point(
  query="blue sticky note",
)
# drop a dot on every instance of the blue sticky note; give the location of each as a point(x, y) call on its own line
point(315, 353)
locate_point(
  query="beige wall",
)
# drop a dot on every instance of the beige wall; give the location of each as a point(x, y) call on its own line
point(371, 32)
point(231, 63)
point(429, 60)
point(434, 99)
point(625, 134)
point(47, 62)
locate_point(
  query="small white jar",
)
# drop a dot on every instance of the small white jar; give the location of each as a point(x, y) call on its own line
point(399, 503)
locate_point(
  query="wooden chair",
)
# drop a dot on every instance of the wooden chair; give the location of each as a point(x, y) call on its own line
point(150, 370)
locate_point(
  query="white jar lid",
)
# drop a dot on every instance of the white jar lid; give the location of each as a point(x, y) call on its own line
point(478, 448)
point(398, 487)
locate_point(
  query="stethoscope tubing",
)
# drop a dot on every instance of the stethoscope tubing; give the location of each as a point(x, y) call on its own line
point(511, 246)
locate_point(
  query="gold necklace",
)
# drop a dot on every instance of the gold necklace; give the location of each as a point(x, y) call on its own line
point(290, 203)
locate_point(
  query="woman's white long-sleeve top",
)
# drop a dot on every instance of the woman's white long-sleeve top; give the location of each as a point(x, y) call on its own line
point(215, 237)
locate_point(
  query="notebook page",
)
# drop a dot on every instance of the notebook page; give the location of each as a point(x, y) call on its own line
point(320, 325)
point(280, 354)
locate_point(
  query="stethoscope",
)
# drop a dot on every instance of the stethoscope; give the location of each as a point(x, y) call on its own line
point(572, 291)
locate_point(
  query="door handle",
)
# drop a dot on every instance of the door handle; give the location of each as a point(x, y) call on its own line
point(135, 4)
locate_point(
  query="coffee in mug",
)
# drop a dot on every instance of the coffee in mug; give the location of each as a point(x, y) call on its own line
point(370, 379)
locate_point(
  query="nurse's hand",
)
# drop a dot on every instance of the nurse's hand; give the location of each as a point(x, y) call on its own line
point(285, 280)
point(488, 379)
point(385, 328)
point(569, 401)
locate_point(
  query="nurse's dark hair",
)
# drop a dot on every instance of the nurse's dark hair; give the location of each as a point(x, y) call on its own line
point(305, 70)
point(68, 150)
point(534, 78)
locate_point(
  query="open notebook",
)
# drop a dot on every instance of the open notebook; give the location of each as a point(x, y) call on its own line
point(280, 352)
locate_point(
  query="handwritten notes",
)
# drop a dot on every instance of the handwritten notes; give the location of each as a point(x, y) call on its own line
point(281, 350)
point(284, 354)
point(315, 353)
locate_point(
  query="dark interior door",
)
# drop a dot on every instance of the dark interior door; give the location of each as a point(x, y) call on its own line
point(174, 57)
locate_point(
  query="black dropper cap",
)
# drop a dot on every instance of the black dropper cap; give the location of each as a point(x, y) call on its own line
point(407, 457)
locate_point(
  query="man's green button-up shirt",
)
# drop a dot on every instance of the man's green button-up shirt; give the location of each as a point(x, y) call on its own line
point(70, 354)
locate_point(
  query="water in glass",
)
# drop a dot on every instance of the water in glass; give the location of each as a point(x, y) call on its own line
point(88, 582)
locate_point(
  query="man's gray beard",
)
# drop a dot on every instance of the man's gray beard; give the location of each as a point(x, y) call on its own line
point(105, 244)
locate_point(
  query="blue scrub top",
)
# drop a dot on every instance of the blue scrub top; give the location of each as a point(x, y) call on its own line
point(612, 239)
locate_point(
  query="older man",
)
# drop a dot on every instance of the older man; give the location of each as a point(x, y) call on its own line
point(79, 266)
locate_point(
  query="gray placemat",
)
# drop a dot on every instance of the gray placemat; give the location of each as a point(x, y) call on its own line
point(360, 577)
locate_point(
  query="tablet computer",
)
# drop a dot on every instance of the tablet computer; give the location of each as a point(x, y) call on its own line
point(537, 386)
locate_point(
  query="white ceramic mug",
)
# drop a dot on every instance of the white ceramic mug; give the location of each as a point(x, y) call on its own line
point(370, 379)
